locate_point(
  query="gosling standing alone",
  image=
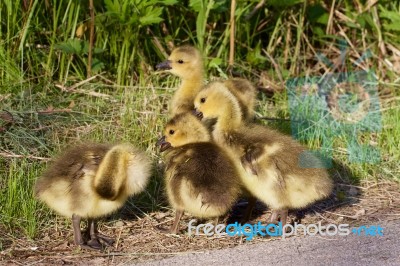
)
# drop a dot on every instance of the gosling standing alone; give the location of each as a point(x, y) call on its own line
point(186, 62)
point(275, 168)
point(200, 177)
point(91, 181)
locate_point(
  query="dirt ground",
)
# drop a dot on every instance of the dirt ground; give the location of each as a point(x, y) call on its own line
point(138, 241)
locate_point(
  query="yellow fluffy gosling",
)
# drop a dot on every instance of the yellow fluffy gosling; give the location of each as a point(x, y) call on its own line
point(186, 62)
point(274, 166)
point(200, 178)
point(91, 181)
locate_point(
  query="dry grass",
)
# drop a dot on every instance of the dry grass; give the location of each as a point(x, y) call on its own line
point(137, 239)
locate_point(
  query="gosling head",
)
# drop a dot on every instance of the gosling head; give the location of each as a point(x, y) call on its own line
point(184, 62)
point(215, 101)
point(183, 129)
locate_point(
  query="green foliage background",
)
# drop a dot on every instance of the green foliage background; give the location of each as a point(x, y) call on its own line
point(39, 38)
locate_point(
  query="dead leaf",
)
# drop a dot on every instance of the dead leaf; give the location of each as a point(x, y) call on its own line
point(358, 214)
point(71, 104)
point(160, 215)
point(6, 117)
point(81, 30)
point(62, 245)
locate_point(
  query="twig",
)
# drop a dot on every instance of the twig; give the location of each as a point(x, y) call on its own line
point(74, 90)
point(318, 214)
point(313, 50)
point(51, 111)
point(108, 81)
point(77, 84)
point(347, 185)
point(277, 68)
point(341, 215)
point(12, 155)
point(50, 255)
point(342, 33)
point(167, 221)
point(232, 35)
point(118, 238)
point(255, 9)
point(91, 39)
point(330, 20)
point(272, 118)
point(91, 93)
point(381, 43)
point(157, 43)
point(365, 188)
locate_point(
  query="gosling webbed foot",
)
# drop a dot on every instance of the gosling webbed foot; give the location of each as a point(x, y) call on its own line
point(99, 241)
point(108, 241)
point(96, 239)
point(92, 245)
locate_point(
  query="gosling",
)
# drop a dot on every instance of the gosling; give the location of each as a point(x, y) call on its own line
point(186, 62)
point(274, 168)
point(91, 181)
point(200, 178)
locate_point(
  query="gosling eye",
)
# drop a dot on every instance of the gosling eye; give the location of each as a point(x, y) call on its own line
point(171, 132)
point(203, 100)
point(180, 61)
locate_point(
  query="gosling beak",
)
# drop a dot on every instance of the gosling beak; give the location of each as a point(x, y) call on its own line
point(163, 144)
point(166, 65)
point(198, 114)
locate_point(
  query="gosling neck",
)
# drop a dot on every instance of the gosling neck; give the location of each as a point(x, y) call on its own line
point(230, 119)
point(192, 84)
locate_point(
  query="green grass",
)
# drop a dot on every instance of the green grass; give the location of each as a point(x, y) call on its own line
point(130, 114)
point(136, 115)
point(39, 50)
point(385, 140)
point(19, 208)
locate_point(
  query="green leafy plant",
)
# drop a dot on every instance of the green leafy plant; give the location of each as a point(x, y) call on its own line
point(122, 28)
point(79, 49)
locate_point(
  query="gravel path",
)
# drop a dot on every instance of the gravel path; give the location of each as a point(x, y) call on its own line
point(300, 250)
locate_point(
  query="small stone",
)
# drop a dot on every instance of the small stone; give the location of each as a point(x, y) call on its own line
point(358, 214)
point(353, 191)
point(160, 215)
point(119, 223)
